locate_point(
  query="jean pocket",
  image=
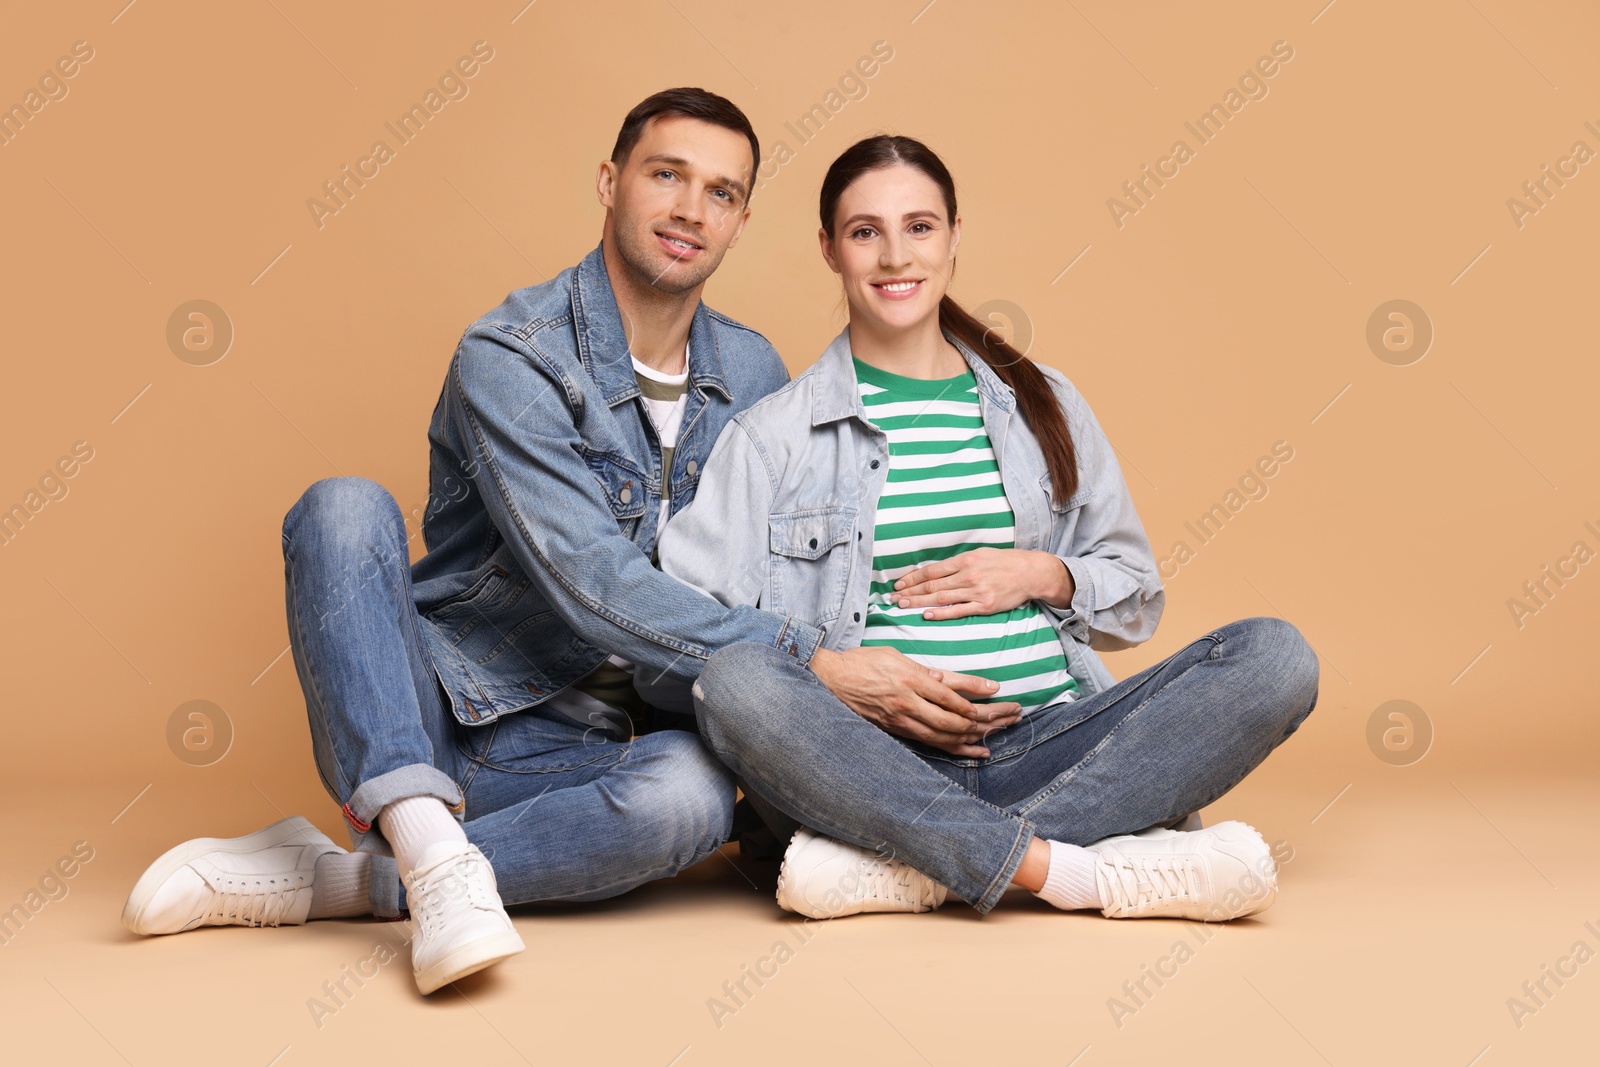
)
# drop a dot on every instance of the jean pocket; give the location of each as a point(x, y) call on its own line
point(1040, 726)
point(531, 742)
point(460, 615)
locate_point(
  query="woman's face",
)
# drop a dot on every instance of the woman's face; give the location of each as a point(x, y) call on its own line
point(892, 247)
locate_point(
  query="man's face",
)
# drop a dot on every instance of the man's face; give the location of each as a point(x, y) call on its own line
point(678, 201)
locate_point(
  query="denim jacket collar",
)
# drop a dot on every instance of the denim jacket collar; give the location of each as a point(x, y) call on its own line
point(836, 395)
point(603, 345)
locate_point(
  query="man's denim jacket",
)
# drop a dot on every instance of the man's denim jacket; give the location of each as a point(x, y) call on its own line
point(544, 490)
point(784, 514)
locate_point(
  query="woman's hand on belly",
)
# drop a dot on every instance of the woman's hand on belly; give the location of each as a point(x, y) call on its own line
point(985, 581)
point(902, 697)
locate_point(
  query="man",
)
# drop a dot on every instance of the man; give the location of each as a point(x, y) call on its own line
point(478, 706)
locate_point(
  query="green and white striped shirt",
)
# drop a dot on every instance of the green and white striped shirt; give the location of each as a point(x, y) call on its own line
point(942, 497)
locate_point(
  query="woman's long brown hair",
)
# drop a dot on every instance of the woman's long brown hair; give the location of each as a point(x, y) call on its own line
point(1035, 398)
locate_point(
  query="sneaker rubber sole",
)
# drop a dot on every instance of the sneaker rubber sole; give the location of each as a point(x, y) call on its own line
point(468, 959)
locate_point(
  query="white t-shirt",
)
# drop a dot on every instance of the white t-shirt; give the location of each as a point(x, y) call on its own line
point(666, 416)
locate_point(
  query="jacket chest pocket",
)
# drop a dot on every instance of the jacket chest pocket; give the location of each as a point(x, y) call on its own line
point(1064, 513)
point(624, 489)
point(1076, 500)
point(811, 562)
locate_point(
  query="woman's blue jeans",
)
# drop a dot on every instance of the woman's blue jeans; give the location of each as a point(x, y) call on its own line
point(1145, 752)
point(562, 811)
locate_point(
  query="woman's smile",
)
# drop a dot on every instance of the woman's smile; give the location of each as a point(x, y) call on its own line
point(898, 288)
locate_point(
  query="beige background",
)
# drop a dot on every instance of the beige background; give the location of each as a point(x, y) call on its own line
point(1228, 313)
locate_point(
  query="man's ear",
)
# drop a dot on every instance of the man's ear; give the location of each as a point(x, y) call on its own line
point(744, 217)
point(605, 182)
point(827, 249)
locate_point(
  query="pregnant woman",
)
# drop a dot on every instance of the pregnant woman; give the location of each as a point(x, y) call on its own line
point(926, 491)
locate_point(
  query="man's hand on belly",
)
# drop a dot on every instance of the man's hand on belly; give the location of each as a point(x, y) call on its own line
point(902, 697)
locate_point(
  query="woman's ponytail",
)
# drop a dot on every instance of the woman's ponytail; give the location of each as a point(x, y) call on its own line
point(1035, 399)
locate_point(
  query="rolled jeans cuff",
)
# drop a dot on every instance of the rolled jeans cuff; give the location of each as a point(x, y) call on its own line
point(361, 816)
point(375, 794)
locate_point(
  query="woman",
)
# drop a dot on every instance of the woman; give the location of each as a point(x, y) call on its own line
point(931, 493)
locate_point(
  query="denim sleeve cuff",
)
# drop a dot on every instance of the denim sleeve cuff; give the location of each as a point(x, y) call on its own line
point(1075, 617)
point(799, 639)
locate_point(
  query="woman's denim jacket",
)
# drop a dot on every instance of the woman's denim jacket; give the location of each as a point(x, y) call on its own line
point(783, 517)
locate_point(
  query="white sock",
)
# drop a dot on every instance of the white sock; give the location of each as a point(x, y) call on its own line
point(412, 824)
point(1070, 882)
point(339, 889)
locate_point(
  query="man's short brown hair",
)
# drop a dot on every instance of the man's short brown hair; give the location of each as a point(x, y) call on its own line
point(690, 103)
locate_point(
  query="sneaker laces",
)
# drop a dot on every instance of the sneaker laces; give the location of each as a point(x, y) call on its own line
point(460, 878)
point(893, 881)
point(1147, 880)
point(238, 904)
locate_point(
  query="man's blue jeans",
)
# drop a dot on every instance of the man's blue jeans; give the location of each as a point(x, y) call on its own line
point(1145, 752)
point(561, 811)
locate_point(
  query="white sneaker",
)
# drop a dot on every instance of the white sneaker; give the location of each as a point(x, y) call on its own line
point(458, 925)
point(1221, 872)
point(260, 879)
point(828, 879)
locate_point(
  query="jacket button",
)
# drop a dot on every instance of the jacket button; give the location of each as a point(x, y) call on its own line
point(874, 464)
point(625, 496)
point(858, 616)
point(692, 467)
point(813, 542)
